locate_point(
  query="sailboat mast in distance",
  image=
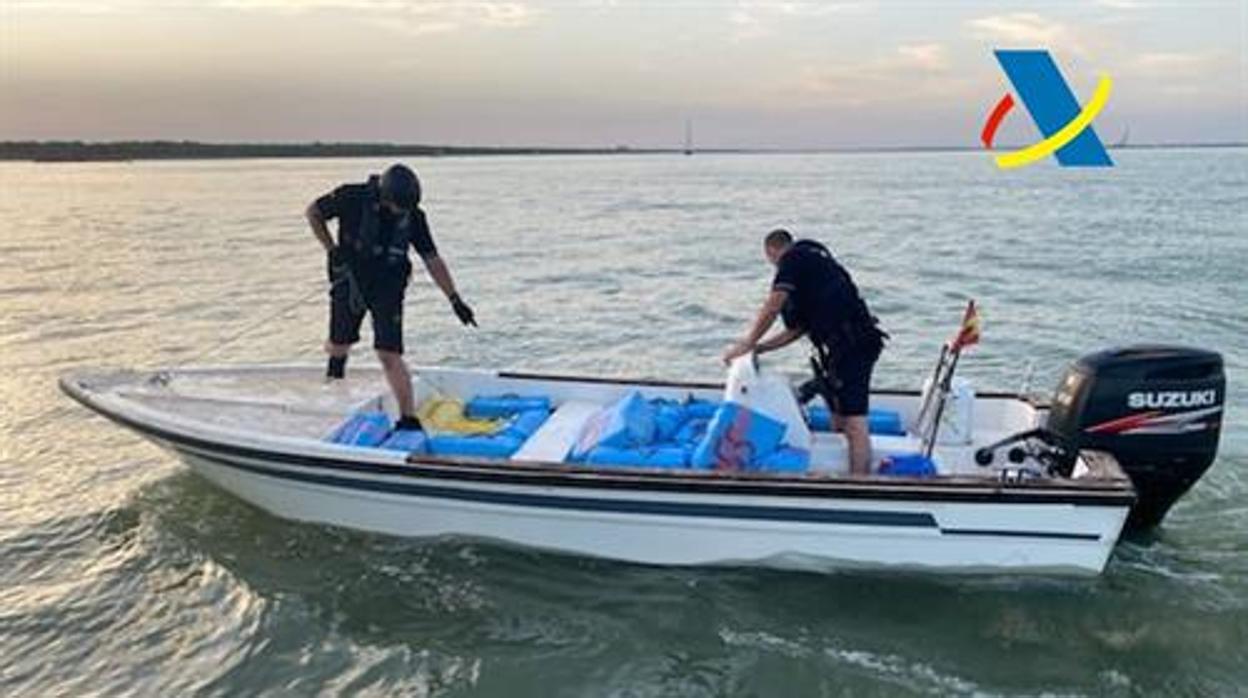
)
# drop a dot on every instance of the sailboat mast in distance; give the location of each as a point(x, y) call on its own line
point(688, 136)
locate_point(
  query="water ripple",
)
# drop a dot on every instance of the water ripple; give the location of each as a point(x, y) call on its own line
point(125, 575)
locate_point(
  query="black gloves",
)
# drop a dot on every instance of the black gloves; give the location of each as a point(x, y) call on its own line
point(335, 265)
point(462, 311)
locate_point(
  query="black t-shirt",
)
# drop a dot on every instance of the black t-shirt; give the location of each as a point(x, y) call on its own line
point(822, 298)
point(353, 205)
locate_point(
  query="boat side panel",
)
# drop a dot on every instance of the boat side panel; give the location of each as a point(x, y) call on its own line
point(691, 529)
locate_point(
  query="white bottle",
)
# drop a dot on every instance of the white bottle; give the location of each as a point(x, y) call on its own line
point(958, 418)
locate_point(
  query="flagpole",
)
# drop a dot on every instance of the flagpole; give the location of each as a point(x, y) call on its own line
point(934, 386)
point(968, 333)
point(946, 384)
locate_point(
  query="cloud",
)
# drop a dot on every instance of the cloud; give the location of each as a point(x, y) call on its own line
point(1026, 30)
point(1121, 4)
point(911, 71)
point(86, 7)
point(1181, 75)
point(931, 56)
point(409, 16)
point(1022, 27)
point(412, 27)
point(420, 16)
point(746, 26)
point(755, 19)
point(802, 9)
point(1172, 64)
point(440, 17)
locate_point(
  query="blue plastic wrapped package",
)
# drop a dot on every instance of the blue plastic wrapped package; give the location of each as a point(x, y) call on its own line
point(409, 440)
point(606, 455)
point(628, 422)
point(885, 422)
point(498, 406)
point(879, 421)
point(367, 429)
point(496, 446)
point(668, 457)
point(656, 457)
point(691, 431)
point(701, 409)
point(526, 423)
point(785, 460)
point(908, 465)
point(668, 418)
point(736, 438)
point(819, 417)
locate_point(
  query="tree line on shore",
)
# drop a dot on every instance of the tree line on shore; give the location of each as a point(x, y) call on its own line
point(82, 151)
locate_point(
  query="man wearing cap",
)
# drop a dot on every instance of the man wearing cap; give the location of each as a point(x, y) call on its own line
point(369, 268)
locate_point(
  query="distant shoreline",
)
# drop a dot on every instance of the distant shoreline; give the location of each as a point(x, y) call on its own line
point(122, 151)
point(115, 151)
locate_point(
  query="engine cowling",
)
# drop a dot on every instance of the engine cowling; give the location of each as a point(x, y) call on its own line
point(1157, 409)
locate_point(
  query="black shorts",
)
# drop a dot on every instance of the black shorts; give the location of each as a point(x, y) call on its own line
point(381, 297)
point(850, 379)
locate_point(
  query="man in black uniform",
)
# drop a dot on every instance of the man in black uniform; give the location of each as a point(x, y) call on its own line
point(369, 269)
point(818, 299)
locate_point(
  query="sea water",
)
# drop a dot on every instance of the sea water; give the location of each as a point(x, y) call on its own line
point(122, 573)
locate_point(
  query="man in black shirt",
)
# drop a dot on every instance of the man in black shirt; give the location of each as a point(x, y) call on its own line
point(817, 298)
point(369, 268)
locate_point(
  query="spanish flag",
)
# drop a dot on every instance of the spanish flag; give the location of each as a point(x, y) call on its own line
point(968, 334)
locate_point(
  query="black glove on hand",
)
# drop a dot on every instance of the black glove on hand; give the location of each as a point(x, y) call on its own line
point(462, 311)
point(335, 265)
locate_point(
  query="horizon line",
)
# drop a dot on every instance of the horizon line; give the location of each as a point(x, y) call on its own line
point(167, 149)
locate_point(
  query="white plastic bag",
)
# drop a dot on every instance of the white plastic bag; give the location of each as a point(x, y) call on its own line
point(768, 393)
point(958, 416)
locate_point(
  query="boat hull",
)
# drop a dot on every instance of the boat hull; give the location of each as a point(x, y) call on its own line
point(687, 528)
point(953, 523)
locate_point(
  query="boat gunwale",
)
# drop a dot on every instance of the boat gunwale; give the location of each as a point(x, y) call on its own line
point(1031, 400)
point(1101, 492)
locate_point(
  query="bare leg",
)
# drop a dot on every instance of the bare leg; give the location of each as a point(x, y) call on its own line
point(859, 438)
point(400, 381)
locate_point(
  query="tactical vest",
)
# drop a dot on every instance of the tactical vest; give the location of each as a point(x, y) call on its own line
point(377, 245)
point(855, 329)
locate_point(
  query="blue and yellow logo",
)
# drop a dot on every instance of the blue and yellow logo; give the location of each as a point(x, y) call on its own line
point(1067, 127)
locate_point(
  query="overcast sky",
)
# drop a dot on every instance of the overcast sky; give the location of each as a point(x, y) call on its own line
point(748, 74)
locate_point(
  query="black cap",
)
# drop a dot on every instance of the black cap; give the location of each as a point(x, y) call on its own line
point(400, 186)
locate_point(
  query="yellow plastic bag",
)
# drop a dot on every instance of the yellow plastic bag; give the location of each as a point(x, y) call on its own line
point(447, 415)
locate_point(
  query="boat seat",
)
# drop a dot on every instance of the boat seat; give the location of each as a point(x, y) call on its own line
point(830, 453)
point(555, 438)
point(880, 420)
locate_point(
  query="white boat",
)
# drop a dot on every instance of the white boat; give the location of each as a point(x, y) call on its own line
point(259, 432)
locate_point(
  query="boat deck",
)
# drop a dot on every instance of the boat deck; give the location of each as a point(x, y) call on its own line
point(295, 402)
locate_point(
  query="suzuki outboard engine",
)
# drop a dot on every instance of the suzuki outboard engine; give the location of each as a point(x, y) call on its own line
point(1157, 409)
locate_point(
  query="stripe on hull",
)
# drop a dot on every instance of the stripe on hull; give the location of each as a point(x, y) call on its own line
point(852, 517)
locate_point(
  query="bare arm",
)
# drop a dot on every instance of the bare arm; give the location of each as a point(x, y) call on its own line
point(442, 277)
point(762, 322)
point(440, 274)
point(766, 317)
point(317, 222)
point(779, 340)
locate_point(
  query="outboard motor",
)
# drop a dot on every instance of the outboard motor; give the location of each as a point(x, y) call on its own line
point(1157, 409)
